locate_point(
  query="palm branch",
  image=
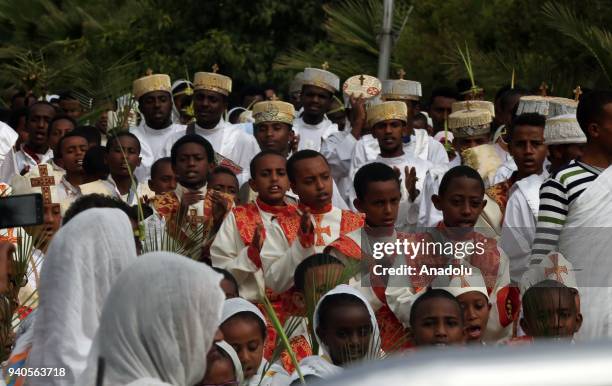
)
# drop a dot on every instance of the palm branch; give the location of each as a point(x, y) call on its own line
point(352, 27)
point(596, 40)
point(282, 337)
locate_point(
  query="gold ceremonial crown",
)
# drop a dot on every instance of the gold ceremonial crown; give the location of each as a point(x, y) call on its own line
point(386, 111)
point(470, 123)
point(212, 81)
point(273, 111)
point(149, 83)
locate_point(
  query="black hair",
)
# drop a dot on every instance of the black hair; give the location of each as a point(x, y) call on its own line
point(525, 119)
point(251, 90)
point(374, 172)
point(16, 115)
point(252, 317)
point(334, 301)
point(457, 172)
point(62, 116)
point(115, 137)
point(97, 201)
point(228, 276)
point(420, 116)
point(505, 94)
point(94, 163)
point(67, 96)
point(157, 164)
point(192, 138)
point(463, 85)
point(261, 154)
point(223, 170)
point(300, 156)
point(58, 148)
point(532, 296)
point(18, 94)
point(447, 92)
point(38, 103)
point(591, 108)
point(312, 261)
point(91, 133)
point(233, 117)
point(433, 293)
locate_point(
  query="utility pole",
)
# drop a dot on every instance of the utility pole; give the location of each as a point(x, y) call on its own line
point(385, 40)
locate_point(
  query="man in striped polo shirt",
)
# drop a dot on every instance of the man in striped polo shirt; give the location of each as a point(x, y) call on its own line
point(575, 200)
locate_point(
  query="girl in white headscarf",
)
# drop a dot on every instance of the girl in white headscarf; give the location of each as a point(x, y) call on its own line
point(244, 328)
point(347, 331)
point(82, 263)
point(158, 324)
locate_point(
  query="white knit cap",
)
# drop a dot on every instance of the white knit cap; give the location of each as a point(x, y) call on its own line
point(563, 129)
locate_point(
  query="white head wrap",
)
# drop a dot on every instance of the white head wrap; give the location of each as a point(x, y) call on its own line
point(234, 306)
point(83, 261)
point(229, 350)
point(158, 323)
point(348, 290)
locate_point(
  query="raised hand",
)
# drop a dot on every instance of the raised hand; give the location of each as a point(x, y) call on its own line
point(191, 197)
point(220, 207)
point(357, 116)
point(411, 180)
point(258, 237)
point(305, 223)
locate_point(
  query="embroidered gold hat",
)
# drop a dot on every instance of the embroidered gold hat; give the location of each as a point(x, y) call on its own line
point(482, 105)
point(563, 129)
point(213, 82)
point(401, 89)
point(149, 83)
point(321, 78)
point(273, 111)
point(386, 111)
point(555, 267)
point(470, 123)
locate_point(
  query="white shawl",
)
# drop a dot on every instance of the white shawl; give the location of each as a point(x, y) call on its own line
point(158, 323)
point(345, 289)
point(83, 261)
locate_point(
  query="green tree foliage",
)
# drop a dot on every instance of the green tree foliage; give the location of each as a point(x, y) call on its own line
point(99, 46)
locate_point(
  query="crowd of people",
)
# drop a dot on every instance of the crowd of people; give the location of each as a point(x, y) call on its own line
point(276, 243)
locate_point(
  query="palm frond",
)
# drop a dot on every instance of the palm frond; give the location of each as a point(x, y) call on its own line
point(597, 41)
point(282, 337)
point(352, 27)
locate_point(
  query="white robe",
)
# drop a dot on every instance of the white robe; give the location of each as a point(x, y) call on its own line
point(338, 150)
point(312, 136)
point(230, 141)
point(15, 162)
point(229, 252)
point(145, 336)
point(131, 198)
point(84, 259)
point(8, 137)
point(585, 241)
point(421, 145)
point(153, 145)
point(520, 219)
point(279, 259)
